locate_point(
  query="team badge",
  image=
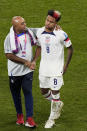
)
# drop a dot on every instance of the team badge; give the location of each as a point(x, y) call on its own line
point(47, 39)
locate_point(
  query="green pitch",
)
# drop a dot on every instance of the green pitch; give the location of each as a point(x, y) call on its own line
point(74, 92)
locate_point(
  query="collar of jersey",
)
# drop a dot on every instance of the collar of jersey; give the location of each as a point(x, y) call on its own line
point(51, 33)
point(20, 34)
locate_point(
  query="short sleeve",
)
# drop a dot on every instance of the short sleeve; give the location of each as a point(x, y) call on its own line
point(66, 40)
point(7, 46)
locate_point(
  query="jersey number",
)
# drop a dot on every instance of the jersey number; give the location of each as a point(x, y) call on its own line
point(48, 49)
point(55, 81)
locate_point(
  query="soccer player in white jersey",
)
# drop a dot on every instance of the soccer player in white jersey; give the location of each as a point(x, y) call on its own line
point(51, 47)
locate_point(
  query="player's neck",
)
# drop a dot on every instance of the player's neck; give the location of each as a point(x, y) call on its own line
point(48, 30)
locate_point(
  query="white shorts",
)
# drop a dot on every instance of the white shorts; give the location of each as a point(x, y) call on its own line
point(54, 83)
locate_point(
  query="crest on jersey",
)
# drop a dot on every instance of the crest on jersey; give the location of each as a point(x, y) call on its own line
point(47, 39)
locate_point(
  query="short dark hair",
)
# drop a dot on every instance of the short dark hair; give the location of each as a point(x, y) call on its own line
point(55, 14)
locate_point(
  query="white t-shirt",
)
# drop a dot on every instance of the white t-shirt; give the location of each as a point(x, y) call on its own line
point(52, 51)
point(16, 69)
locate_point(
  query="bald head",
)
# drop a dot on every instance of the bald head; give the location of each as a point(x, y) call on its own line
point(19, 24)
point(16, 20)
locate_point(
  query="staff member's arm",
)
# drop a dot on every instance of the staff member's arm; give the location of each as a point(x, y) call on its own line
point(17, 59)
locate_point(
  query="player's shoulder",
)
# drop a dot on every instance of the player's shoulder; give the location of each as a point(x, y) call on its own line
point(59, 31)
point(40, 30)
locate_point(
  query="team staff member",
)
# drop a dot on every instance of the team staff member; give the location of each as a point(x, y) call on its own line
point(51, 46)
point(18, 50)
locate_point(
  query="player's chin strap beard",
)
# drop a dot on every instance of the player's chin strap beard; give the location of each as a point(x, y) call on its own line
point(49, 29)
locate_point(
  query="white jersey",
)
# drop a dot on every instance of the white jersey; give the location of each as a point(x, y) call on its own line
point(16, 69)
point(52, 51)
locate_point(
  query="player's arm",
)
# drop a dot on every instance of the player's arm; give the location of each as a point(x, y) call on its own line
point(69, 56)
point(37, 54)
point(17, 59)
point(34, 30)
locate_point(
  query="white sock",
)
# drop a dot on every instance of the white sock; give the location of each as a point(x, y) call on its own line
point(54, 105)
